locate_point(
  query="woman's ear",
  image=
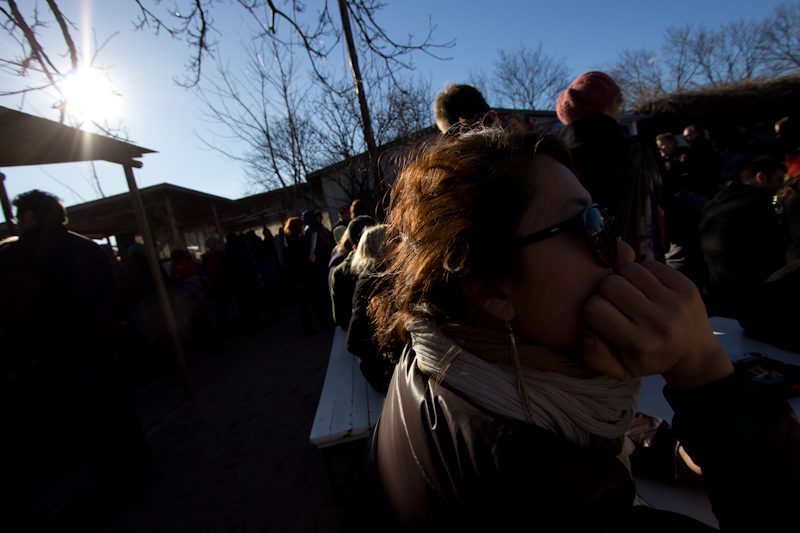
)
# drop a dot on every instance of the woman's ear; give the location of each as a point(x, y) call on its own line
point(490, 296)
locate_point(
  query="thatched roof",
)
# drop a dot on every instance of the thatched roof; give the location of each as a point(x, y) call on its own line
point(726, 107)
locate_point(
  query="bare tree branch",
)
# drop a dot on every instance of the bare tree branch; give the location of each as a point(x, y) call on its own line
point(781, 40)
point(639, 76)
point(194, 27)
point(62, 23)
point(529, 79)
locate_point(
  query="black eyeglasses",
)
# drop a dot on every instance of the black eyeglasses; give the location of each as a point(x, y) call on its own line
point(597, 227)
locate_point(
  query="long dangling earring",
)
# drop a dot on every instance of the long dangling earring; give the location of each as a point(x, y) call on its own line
point(521, 390)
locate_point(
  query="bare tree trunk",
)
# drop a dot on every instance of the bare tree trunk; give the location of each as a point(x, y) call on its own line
point(366, 123)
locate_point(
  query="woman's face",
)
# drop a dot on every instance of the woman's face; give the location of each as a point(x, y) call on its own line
point(559, 273)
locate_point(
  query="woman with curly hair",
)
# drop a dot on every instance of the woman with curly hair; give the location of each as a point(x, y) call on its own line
point(527, 326)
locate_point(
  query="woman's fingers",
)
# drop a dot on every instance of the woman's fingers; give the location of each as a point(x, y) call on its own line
point(668, 276)
point(600, 357)
point(646, 277)
point(624, 296)
point(603, 316)
point(655, 319)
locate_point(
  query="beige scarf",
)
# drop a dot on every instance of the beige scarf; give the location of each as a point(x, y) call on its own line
point(566, 397)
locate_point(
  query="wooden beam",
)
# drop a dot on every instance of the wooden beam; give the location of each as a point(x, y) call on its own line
point(158, 279)
point(12, 228)
point(216, 222)
point(177, 238)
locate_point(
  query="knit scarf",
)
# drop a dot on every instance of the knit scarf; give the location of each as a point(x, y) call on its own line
point(566, 397)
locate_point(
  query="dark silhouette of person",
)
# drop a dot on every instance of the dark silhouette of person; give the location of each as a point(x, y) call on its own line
point(621, 174)
point(701, 163)
point(59, 323)
point(741, 236)
point(319, 241)
point(297, 270)
point(240, 267)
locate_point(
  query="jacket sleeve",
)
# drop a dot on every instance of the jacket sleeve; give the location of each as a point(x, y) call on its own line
point(748, 444)
point(341, 299)
point(359, 334)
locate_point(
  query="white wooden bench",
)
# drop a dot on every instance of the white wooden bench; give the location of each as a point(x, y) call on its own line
point(348, 406)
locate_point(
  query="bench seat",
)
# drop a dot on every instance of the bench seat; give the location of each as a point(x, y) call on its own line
point(348, 406)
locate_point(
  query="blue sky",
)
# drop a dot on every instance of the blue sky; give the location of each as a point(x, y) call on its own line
point(163, 117)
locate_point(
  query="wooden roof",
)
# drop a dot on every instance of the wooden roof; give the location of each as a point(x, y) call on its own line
point(114, 215)
point(30, 140)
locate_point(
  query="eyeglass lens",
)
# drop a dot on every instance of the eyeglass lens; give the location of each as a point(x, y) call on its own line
point(601, 235)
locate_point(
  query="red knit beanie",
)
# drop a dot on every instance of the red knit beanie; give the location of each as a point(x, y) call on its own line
point(591, 93)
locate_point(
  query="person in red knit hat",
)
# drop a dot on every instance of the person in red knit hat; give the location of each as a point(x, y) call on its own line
point(619, 173)
point(591, 93)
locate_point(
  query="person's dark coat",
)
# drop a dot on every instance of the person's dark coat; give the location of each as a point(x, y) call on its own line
point(702, 168)
point(436, 462)
point(59, 326)
point(343, 285)
point(743, 244)
point(59, 302)
point(791, 217)
point(375, 361)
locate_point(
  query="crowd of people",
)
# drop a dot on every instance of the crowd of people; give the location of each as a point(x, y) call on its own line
point(732, 224)
point(522, 284)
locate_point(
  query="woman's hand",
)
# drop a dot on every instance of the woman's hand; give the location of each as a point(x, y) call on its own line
point(655, 319)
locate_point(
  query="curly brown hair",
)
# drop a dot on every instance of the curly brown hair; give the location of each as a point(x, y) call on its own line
point(454, 213)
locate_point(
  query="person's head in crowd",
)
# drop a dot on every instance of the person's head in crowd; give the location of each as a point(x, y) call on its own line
point(764, 173)
point(458, 102)
point(787, 130)
point(590, 94)
point(733, 168)
point(359, 208)
point(341, 225)
point(252, 240)
point(312, 217)
point(213, 243)
point(39, 208)
point(345, 244)
point(136, 248)
point(338, 232)
point(692, 132)
point(459, 211)
point(666, 144)
point(357, 227)
point(344, 213)
point(294, 227)
point(370, 250)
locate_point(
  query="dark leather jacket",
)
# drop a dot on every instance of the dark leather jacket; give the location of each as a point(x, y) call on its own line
point(438, 463)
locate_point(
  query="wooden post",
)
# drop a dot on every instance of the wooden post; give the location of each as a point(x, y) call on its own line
point(177, 239)
point(158, 279)
point(12, 228)
point(216, 221)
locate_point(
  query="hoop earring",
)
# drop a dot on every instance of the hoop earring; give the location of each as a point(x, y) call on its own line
point(521, 390)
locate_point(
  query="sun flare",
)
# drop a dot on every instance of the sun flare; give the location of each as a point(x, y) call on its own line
point(88, 91)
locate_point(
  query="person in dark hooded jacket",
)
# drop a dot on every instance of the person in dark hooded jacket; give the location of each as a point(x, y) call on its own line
point(742, 240)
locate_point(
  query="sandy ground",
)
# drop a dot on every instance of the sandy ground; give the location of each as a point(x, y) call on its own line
point(234, 458)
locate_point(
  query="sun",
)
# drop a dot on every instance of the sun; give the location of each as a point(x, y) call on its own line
point(88, 91)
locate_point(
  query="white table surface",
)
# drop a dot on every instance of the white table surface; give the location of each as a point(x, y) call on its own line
point(693, 501)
